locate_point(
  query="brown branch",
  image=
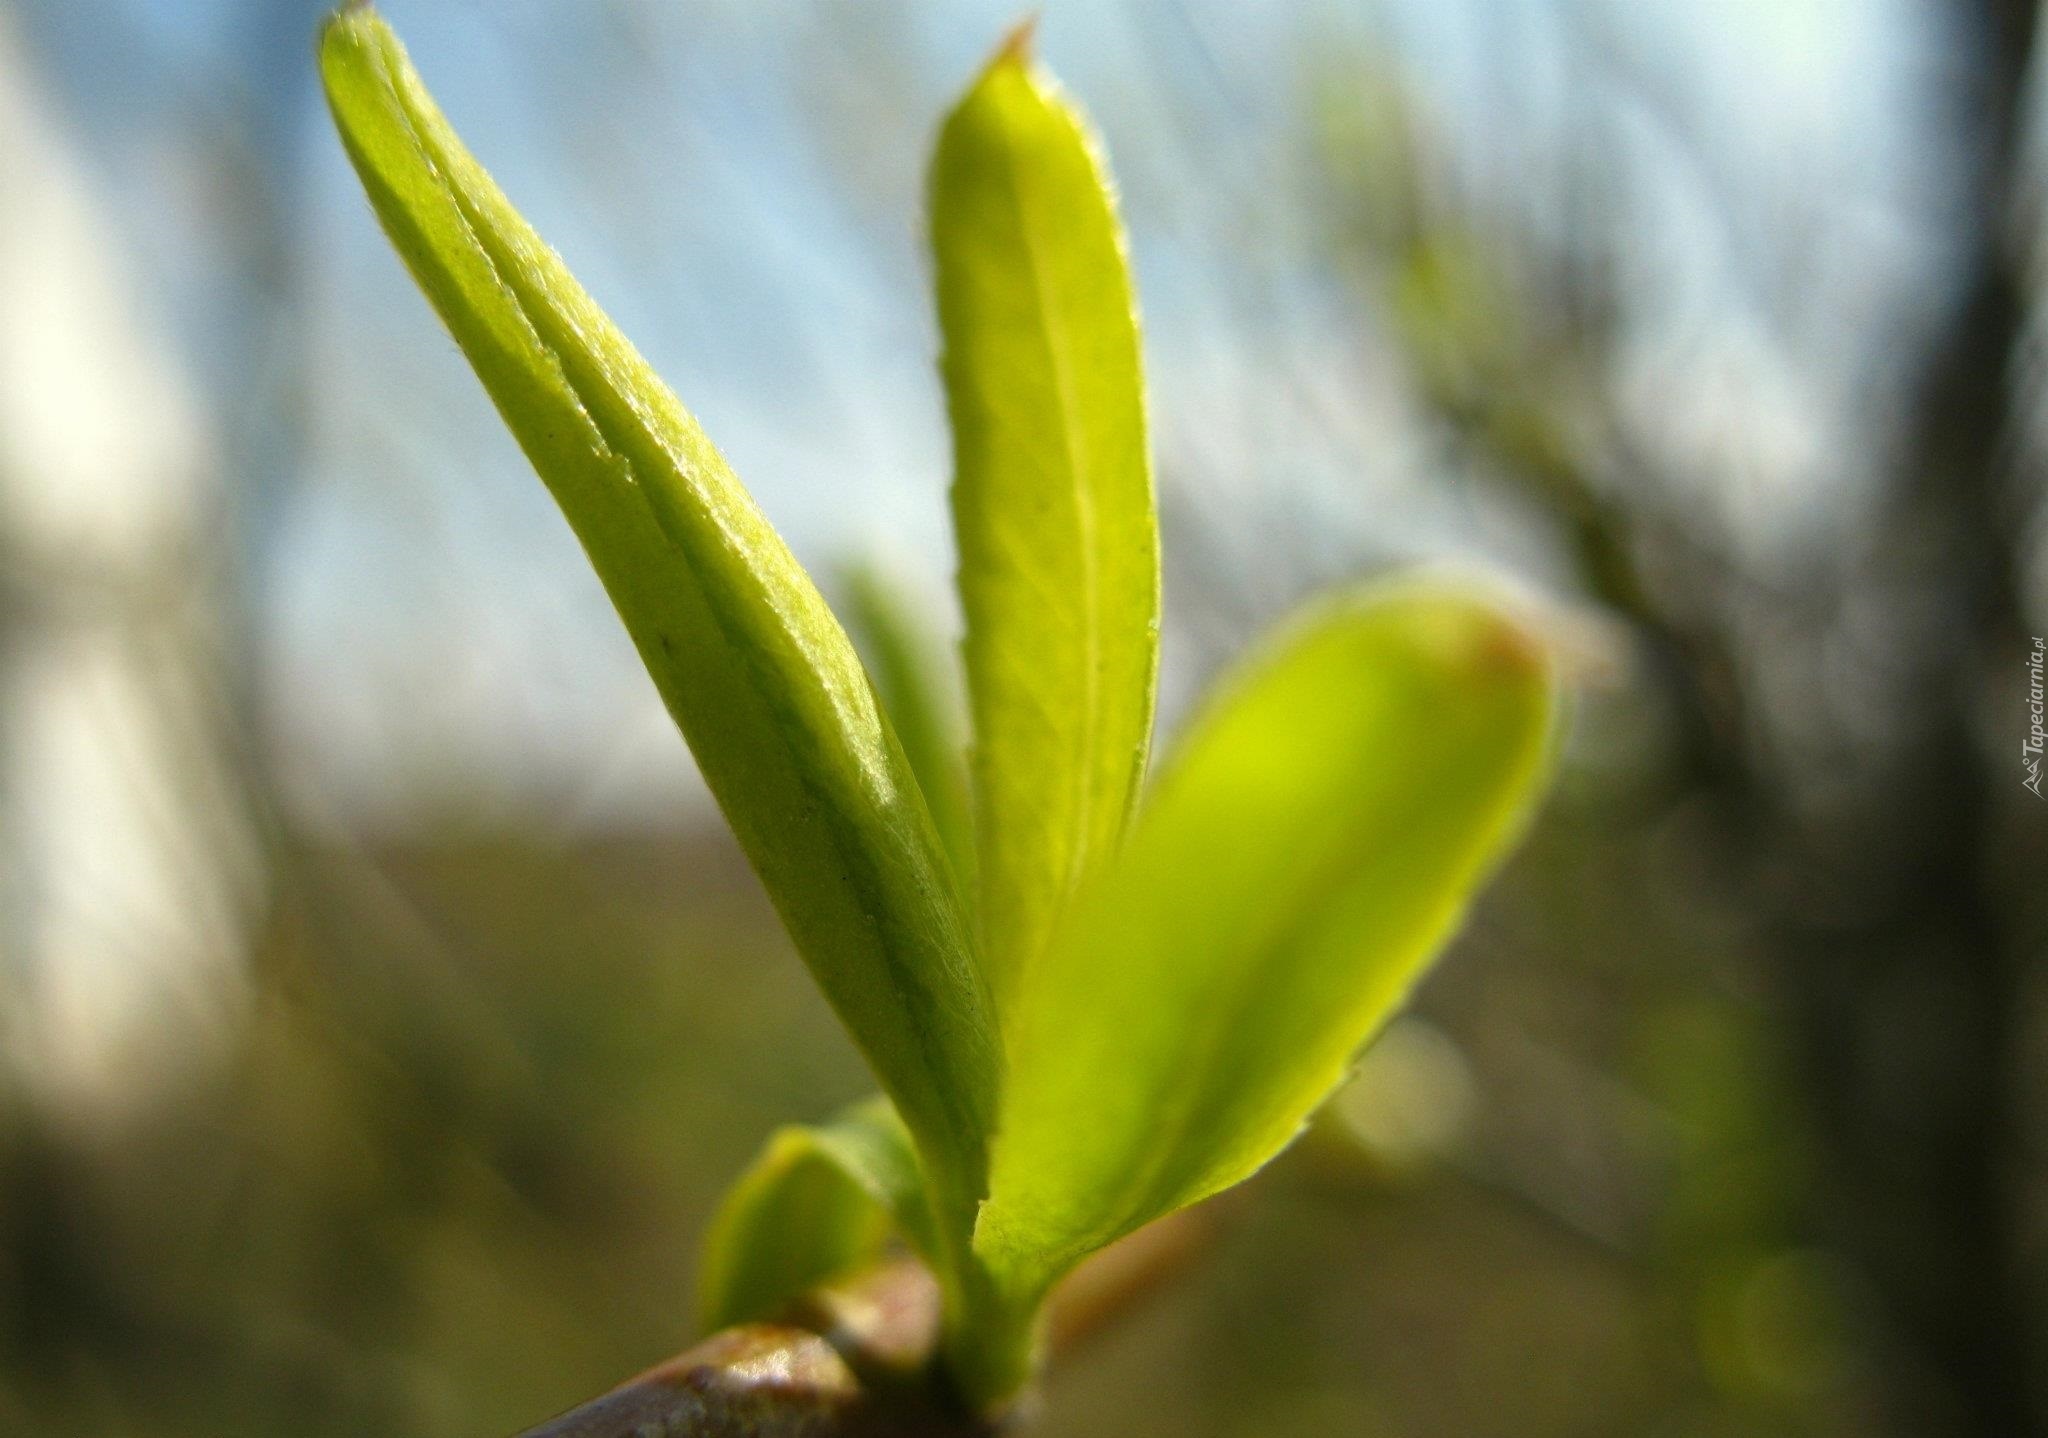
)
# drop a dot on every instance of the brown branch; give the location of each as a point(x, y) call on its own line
point(761, 1379)
point(850, 1362)
point(856, 1360)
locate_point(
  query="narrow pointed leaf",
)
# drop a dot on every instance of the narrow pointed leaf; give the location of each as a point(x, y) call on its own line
point(910, 668)
point(758, 674)
point(1052, 496)
point(1305, 854)
point(817, 1204)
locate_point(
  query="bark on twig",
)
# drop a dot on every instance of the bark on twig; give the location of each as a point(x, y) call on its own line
point(851, 1362)
point(856, 1360)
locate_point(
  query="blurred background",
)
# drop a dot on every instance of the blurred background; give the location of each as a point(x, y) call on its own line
point(383, 1005)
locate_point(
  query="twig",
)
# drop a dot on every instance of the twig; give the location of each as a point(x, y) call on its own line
point(855, 1360)
point(850, 1363)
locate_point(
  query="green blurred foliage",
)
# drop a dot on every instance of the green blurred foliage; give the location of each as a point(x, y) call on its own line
point(493, 1086)
point(453, 1176)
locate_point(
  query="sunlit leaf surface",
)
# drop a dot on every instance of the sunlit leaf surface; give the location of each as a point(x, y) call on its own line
point(1052, 496)
point(1306, 852)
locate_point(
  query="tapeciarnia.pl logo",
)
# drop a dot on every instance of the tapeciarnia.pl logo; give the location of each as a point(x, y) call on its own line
point(2030, 751)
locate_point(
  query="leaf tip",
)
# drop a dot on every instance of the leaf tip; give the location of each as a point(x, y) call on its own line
point(1480, 628)
point(349, 14)
point(1020, 47)
point(1509, 647)
point(351, 27)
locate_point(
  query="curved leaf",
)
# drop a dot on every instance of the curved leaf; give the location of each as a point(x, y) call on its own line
point(1305, 854)
point(1052, 497)
point(818, 1203)
point(751, 663)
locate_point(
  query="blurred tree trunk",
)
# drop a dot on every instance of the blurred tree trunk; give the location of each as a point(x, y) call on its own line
point(1905, 932)
point(1898, 894)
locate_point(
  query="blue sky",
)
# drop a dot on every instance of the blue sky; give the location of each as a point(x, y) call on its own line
point(739, 183)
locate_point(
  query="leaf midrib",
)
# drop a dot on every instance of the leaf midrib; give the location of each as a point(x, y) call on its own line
point(1052, 332)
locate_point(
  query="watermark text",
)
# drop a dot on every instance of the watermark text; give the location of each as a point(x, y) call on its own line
point(2030, 750)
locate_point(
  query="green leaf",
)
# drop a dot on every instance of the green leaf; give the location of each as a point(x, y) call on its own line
point(817, 1204)
point(1052, 497)
point(1306, 853)
point(911, 674)
point(759, 676)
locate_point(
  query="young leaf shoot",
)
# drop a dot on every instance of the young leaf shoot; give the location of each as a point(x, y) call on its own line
point(1141, 1004)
